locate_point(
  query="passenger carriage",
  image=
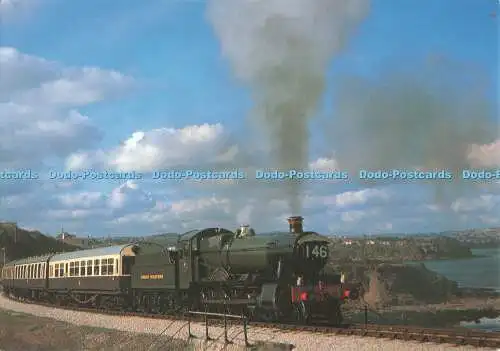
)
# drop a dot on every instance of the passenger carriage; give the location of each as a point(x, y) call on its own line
point(105, 270)
point(28, 276)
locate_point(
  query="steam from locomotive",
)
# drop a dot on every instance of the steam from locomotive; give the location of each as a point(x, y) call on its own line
point(281, 49)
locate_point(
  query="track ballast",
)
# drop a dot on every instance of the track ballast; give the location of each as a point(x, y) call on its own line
point(398, 332)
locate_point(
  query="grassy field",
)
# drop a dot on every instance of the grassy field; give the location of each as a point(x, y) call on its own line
point(25, 332)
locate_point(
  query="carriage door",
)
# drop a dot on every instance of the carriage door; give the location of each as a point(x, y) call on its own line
point(127, 263)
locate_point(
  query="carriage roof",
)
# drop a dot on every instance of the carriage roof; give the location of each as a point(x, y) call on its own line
point(122, 250)
point(29, 260)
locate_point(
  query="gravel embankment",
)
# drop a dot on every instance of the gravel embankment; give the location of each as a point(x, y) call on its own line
point(301, 340)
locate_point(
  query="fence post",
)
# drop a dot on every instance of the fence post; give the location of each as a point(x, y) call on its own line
point(366, 315)
point(245, 333)
point(190, 335)
point(226, 340)
point(207, 337)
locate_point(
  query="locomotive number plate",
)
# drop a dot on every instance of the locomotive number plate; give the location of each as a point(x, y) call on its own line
point(316, 251)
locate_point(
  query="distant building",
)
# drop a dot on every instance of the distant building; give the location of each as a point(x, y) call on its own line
point(70, 239)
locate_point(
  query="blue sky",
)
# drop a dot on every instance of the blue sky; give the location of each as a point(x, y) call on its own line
point(171, 72)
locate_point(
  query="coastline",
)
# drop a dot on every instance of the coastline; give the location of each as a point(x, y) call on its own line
point(458, 312)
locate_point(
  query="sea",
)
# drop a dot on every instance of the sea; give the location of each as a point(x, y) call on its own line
point(482, 271)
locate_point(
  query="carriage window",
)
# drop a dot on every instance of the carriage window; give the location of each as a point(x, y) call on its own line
point(111, 266)
point(77, 268)
point(96, 267)
point(61, 269)
point(72, 269)
point(56, 271)
point(82, 268)
point(116, 266)
point(104, 267)
point(89, 267)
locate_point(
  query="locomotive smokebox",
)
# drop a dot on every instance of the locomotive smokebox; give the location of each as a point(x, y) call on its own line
point(295, 223)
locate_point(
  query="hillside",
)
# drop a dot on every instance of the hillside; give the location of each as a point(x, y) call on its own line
point(390, 249)
point(399, 284)
point(477, 238)
point(19, 243)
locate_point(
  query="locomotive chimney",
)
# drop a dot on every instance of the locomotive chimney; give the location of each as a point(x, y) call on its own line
point(295, 223)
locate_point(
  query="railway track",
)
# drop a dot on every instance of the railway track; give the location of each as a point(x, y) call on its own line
point(399, 332)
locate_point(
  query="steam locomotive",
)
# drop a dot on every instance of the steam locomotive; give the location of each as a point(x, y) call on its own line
point(273, 276)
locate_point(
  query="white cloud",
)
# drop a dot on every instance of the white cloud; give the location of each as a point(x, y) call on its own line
point(481, 203)
point(324, 164)
point(119, 195)
point(84, 199)
point(352, 216)
point(361, 197)
point(487, 155)
point(190, 206)
point(38, 119)
point(163, 148)
point(490, 220)
point(9, 8)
